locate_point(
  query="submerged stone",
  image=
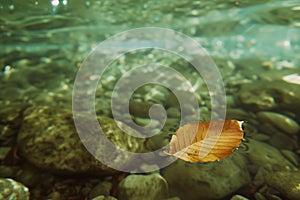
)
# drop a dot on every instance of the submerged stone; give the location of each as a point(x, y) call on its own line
point(136, 187)
point(173, 112)
point(11, 189)
point(238, 197)
point(215, 180)
point(286, 182)
point(261, 137)
point(270, 95)
point(4, 151)
point(140, 109)
point(48, 139)
point(283, 141)
point(291, 156)
point(10, 120)
point(280, 121)
point(102, 197)
point(10, 114)
point(262, 154)
point(102, 188)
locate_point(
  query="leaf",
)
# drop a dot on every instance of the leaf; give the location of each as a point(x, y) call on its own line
point(206, 141)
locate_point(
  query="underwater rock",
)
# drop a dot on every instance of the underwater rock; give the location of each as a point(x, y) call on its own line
point(63, 187)
point(156, 94)
point(291, 156)
point(172, 198)
point(146, 122)
point(259, 196)
point(11, 189)
point(10, 114)
point(282, 122)
point(271, 196)
point(136, 187)
point(238, 197)
point(31, 176)
point(283, 141)
point(48, 140)
point(270, 95)
point(102, 197)
point(286, 182)
point(262, 154)
point(262, 172)
point(162, 138)
point(172, 100)
point(102, 188)
point(215, 180)
point(173, 112)
point(235, 113)
point(158, 141)
point(10, 120)
point(4, 151)
point(261, 137)
point(9, 171)
point(103, 107)
point(140, 109)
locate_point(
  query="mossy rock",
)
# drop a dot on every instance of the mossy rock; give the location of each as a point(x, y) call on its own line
point(48, 139)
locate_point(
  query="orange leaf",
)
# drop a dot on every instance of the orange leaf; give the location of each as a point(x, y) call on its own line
point(203, 141)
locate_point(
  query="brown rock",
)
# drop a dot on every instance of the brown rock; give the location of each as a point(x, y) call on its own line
point(286, 182)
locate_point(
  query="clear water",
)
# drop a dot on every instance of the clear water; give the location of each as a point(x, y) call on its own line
point(44, 42)
point(230, 29)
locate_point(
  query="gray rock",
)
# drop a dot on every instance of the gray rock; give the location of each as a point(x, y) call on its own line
point(155, 124)
point(158, 141)
point(172, 198)
point(273, 196)
point(157, 94)
point(216, 180)
point(262, 154)
point(4, 151)
point(48, 140)
point(238, 197)
point(163, 138)
point(286, 182)
point(230, 100)
point(13, 190)
point(140, 109)
point(283, 141)
point(255, 98)
point(148, 187)
point(172, 101)
point(173, 112)
point(291, 156)
point(142, 121)
point(31, 176)
point(259, 196)
point(237, 114)
point(282, 122)
point(102, 197)
point(270, 95)
point(9, 171)
point(262, 172)
point(10, 120)
point(268, 129)
point(102, 188)
point(11, 113)
point(261, 137)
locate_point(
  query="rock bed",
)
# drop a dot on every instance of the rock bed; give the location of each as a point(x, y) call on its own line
point(41, 151)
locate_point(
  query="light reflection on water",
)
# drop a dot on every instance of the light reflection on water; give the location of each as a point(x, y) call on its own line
point(43, 43)
point(227, 29)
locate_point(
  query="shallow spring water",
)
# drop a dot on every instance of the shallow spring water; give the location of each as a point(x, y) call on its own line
point(256, 48)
